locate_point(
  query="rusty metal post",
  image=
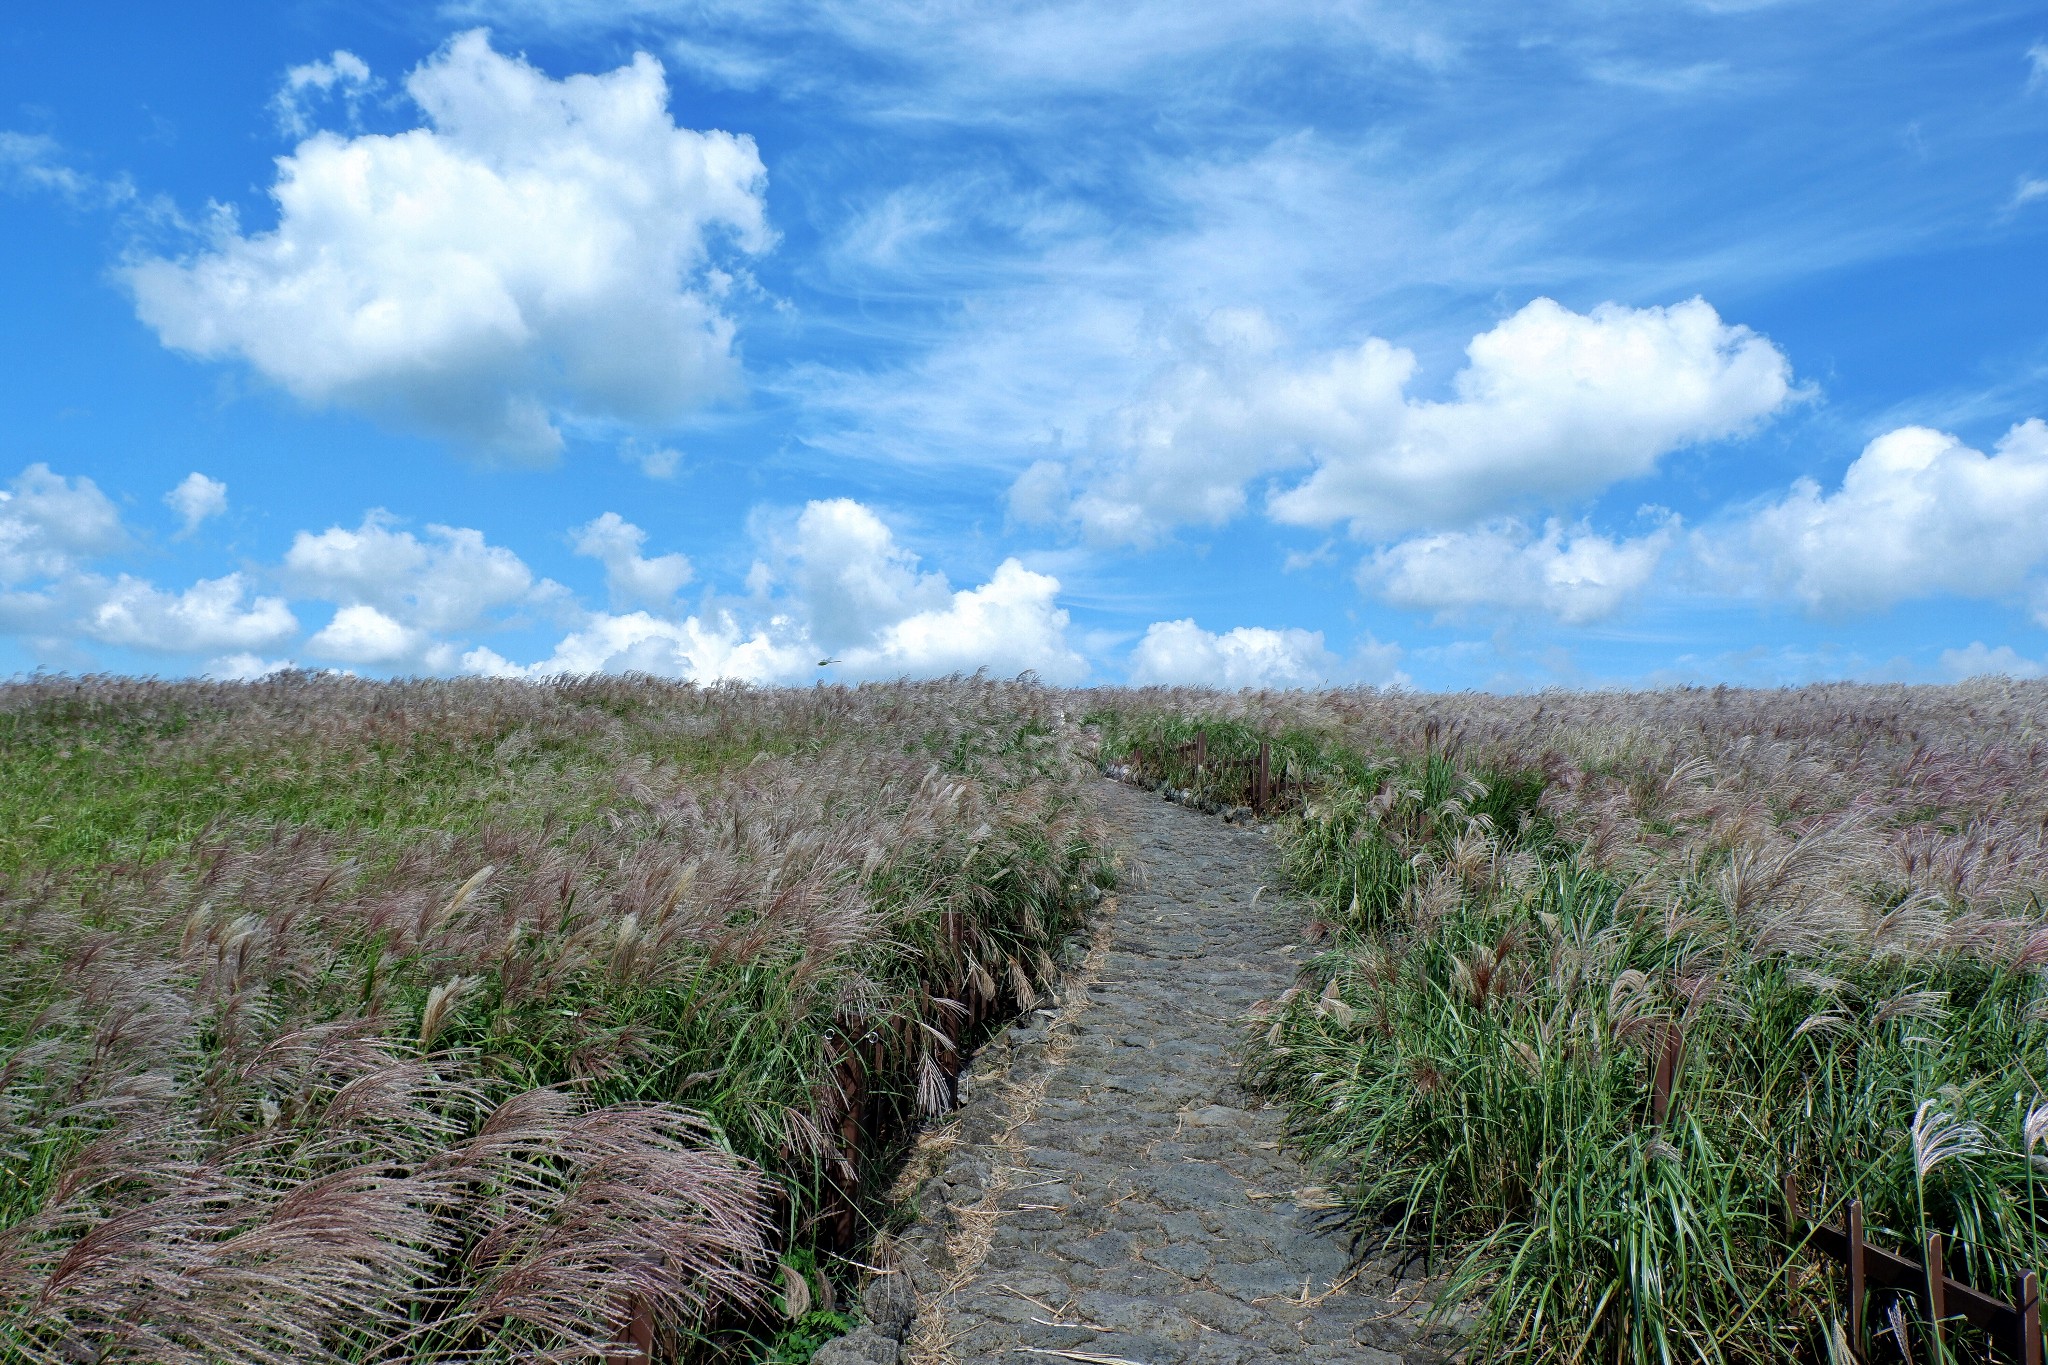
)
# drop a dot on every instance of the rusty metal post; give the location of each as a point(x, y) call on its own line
point(1858, 1337)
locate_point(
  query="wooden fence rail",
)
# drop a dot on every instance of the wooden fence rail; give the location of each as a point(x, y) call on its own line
point(2013, 1329)
point(1255, 779)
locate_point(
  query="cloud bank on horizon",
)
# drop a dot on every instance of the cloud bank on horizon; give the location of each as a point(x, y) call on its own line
point(774, 343)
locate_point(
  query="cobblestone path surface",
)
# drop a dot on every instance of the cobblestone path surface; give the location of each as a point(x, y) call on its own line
point(1107, 1193)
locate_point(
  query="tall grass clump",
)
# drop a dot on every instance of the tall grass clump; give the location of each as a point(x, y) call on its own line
point(464, 1021)
point(1830, 925)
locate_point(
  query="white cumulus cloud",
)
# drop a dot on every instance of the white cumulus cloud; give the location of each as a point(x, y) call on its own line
point(1571, 574)
point(195, 499)
point(361, 634)
point(1181, 652)
point(1552, 405)
point(344, 76)
point(243, 667)
point(833, 588)
point(1978, 660)
point(1918, 514)
point(401, 596)
point(843, 565)
point(451, 580)
point(866, 599)
point(54, 535)
point(50, 525)
point(212, 614)
point(539, 250)
point(1007, 625)
point(631, 578)
point(641, 642)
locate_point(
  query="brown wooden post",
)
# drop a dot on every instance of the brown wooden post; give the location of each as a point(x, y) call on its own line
point(1201, 749)
point(638, 1335)
point(876, 1055)
point(851, 1078)
point(1265, 775)
point(1857, 1336)
point(1937, 1281)
point(1667, 1071)
point(2030, 1319)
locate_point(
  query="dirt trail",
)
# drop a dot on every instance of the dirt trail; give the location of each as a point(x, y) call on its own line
point(1107, 1193)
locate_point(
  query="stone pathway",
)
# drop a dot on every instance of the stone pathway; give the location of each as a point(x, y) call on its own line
point(1106, 1192)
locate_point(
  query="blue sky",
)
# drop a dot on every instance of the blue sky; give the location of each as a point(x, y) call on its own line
point(1449, 346)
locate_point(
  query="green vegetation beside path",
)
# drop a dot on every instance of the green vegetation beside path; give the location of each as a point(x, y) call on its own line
point(1518, 926)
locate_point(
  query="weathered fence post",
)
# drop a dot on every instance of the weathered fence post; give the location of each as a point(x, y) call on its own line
point(2030, 1319)
point(1858, 1336)
point(1667, 1072)
point(1265, 775)
point(637, 1337)
point(1201, 749)
point(2014, 1329)
point(851, 1078)
point(1937, 1282)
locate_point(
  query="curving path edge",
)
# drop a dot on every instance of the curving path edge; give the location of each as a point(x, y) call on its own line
point(1107, 1193)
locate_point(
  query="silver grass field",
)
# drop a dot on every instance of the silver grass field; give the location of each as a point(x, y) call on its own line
point(463, 1021)
point(467, 1021)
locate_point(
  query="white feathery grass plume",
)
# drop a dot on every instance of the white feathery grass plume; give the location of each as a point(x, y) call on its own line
point(933, 1095)
point(1939, 1136)
point(430, 920)
point(796, 1292)
point(1331, 1004)
point(1823, 1022)
point(2035, 1129)
point(625, 947)
point(442, 1002)
point(1021, 987)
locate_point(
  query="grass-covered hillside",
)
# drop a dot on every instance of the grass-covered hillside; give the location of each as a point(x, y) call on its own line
point(471, 1021)
point(1823, 906)
point(347, 1021)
